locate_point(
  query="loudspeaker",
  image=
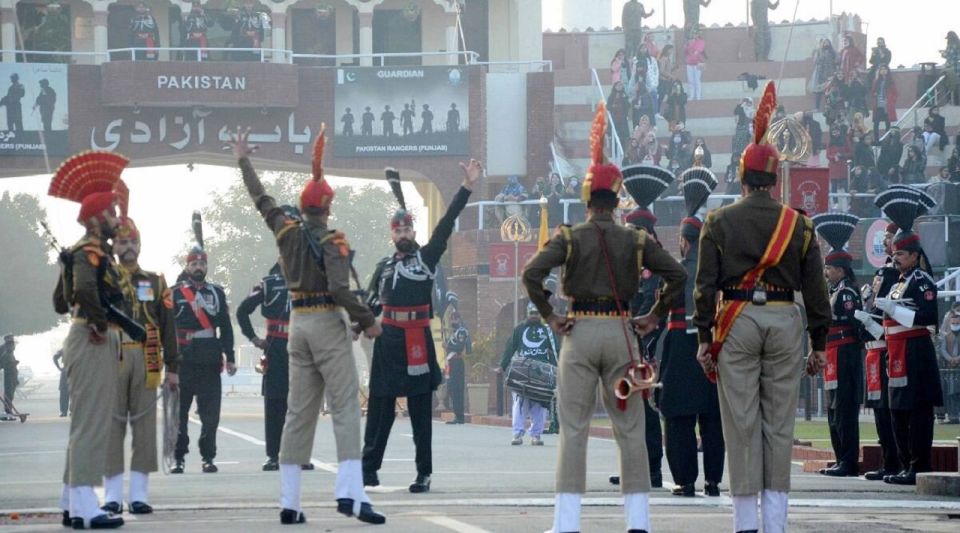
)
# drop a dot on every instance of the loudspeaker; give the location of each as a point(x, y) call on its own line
point(940, 242)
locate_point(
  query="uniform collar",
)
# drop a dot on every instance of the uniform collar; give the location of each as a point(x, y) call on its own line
point(602, 217)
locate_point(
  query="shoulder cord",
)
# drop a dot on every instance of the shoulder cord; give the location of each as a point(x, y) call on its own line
point(616, 294)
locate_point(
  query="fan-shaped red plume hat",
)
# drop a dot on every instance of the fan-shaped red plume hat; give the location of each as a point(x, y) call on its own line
point(317, 193)
point(90, 179)
point(602, 175)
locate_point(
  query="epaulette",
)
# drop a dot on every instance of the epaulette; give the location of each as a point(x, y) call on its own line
point(92, 249)
point(289, 223)
point(566, 232)
point(921, 274)
point(339, 239)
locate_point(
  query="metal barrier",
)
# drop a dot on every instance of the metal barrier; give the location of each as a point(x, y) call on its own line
point(928, 96)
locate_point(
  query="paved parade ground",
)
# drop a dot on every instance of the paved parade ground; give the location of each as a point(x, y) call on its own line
point(481, 483)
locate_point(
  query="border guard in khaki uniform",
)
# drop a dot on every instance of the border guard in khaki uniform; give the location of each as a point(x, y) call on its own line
point(754, 255)
point(602, 263)
point(316, 264)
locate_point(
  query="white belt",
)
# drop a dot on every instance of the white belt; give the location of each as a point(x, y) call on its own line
point(875, 345)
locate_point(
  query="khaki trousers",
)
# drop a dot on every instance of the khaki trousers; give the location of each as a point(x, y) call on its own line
point(138, 403)
point(321, 360)
point(92, 379)
point(759, 371)
point(596, 351)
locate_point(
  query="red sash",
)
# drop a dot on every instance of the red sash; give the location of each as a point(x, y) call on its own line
point(833, 349)
point(727, 310)
point(201, 315)
point(872, 370)
point(414, 336)
point(148, 42)
point(897, 337)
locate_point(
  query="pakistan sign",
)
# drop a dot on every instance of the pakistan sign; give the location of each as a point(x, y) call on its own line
point(401, 111)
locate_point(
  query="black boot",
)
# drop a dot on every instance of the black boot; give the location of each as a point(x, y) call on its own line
point(289, 516)
point(103, 521)
point(878, 475)
point(685, 490)
point(370, 479)
point(140, 508)
point(178, 468)
point(270, 465)
point(614, 480)
point(711, 488)
point(112, 507)
point(367, 514)
point(421, 484)
point(209, 467)
point(66, 519)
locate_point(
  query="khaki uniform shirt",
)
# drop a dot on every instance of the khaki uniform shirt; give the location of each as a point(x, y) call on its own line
point(300, 267)
point(586, 276)
point(732, 242)
point(153, 306)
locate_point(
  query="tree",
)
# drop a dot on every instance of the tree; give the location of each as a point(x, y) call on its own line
point(27, 272)
point(241, 248)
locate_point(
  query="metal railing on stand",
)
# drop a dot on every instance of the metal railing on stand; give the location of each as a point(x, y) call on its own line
point(929, 96)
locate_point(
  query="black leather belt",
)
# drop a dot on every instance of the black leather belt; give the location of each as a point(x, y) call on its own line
point(774, 295)
point(312, 301)
point(604, 305)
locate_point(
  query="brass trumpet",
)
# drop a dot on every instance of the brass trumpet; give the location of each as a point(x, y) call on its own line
point(639, 377)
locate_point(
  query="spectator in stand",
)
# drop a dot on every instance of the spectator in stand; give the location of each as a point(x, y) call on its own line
point(815, 132)
point(651, 152)
point(857, 96)
point(641, 127)
point(650, 46)
point(652, 79)
point(577, 212)
point(836, 95)
point(838, 150)
point(824, 67)
point(916, 139)
point(880, 56)
point(700, 142)
point(696, 55)
point(642, 102)
point(884, 98)
point(931, 140)
point(950, 364)
point(863, 152)
point(676, 104)
point(893, 175)
point(679, 148)
point(513, 191)
point(891, 151)
point(619, 67)
point(858, 125)
point(939, 125)
point(554, 207)
point(667, 67)
point(863, 180)
point(953, 164)
point(744, 113)
point(631, 152)
point(851, 59)
point(619, 108)
point(914, 167)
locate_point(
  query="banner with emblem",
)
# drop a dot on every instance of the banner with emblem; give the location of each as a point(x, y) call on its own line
point(500, 256)
point(402, 111)
point(33, 109)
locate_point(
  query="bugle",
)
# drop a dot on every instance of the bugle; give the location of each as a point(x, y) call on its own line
point(639, 377)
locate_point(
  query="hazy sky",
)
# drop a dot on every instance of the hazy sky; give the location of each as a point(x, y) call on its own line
point(914, 30)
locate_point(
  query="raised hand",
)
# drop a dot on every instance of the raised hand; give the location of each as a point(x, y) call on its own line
point(472, 172)
point(240, 143)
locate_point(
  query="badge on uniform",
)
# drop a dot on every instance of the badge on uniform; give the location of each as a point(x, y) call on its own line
point(144, 291)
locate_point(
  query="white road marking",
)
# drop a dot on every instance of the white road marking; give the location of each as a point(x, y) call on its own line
point(257, 442)
point(453, 525)
point(48, 452)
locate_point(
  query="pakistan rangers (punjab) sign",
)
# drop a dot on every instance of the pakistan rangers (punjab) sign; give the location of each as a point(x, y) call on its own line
point(401, 111)
point(33, 109)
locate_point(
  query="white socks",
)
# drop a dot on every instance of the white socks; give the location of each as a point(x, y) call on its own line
point(139, 482)
point(636, 509)
point(290, 487)
point(83, 503)
point(113, 489)
point(65, 498)
point(745, 513)
point(349, 483)
point(566, 512)
point(774, 506)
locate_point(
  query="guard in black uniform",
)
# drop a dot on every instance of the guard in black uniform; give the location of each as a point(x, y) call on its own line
point(875, 364)
point(201, 310)
point(457, 345)
point(646, 183)
point(273, 299)
point(843, 376)
point(910, 315)
point(688, 399)
point(404, 362)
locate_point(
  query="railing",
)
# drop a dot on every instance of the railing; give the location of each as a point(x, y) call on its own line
point(926, 97)
point(288, 56)
point(616, 148)
point(949, 286)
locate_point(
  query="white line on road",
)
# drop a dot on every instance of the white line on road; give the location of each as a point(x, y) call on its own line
point(48, 452)
point(257, 442)
point(453, 525)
